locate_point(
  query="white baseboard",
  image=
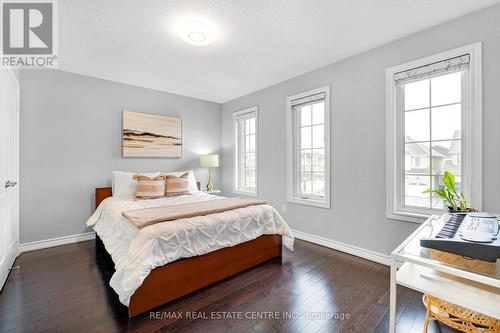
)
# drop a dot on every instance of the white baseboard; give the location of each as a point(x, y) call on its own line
point(343, 247)
point(46, 243)
point(336, 245)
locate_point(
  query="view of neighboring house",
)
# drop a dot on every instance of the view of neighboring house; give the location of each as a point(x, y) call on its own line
point(421, 174)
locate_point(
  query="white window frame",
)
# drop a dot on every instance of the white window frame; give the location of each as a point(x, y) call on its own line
point(236, 115)
point(471, 140)
point(291, 176)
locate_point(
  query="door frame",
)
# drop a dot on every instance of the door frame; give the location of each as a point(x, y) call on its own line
point(10, 257)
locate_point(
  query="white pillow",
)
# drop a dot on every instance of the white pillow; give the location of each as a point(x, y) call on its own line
point(192, 179)
point(123, 183)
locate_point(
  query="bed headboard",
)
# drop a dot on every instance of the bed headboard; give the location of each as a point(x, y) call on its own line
point(102, 193)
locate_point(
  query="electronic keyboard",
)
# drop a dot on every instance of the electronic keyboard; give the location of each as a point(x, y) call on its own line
point(473, 235)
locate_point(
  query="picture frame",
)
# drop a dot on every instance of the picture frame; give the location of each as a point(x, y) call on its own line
point(147, 134)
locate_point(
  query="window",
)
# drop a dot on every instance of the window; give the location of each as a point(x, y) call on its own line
point(245, 161)
point(434, 125)
point(416, 162)
point(308, 167)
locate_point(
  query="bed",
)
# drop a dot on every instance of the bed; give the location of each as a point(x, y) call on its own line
point(168, 260)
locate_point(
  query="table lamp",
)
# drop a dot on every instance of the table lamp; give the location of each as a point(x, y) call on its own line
point(209, 161)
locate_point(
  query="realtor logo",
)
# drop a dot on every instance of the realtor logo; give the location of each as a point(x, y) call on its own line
point(28, 30)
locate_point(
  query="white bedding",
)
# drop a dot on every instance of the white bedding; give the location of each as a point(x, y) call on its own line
point(135, 252)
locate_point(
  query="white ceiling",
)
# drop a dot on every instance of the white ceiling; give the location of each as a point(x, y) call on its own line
point(259, 42)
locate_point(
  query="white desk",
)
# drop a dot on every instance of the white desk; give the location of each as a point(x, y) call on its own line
point(413, 267)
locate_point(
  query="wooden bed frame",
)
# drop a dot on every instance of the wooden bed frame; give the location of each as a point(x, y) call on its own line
point(182, 277)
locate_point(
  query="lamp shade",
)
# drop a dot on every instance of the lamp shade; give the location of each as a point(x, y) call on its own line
point(209, 161)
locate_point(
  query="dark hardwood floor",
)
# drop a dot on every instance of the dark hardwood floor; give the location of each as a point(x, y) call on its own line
point(64, 289)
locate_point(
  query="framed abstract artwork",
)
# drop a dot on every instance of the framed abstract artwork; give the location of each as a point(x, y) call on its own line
point(151, 135)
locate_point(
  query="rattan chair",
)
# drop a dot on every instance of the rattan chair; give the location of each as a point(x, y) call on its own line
point(458, 317)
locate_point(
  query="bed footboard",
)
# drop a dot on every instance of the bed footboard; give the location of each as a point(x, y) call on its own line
point(182, 277)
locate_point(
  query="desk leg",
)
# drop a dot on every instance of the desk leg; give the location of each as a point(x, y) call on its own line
point(392, 299)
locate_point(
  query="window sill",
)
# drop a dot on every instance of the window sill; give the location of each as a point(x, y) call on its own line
point(247, 193)
point(412, 217)
point(310, 202)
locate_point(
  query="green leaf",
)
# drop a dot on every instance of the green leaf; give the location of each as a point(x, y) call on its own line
point(449, 180)
point(429, 190)
point(451, 199)
point(442, 194)
point(463, 202)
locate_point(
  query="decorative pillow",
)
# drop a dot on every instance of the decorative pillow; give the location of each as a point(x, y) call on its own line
point(124, 185)
point(177, 185)
point(191, 178)
point(150, 187)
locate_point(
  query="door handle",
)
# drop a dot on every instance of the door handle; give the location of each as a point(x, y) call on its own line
point(10, 184)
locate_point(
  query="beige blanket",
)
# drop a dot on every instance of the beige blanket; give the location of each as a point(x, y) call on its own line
point(148, 216)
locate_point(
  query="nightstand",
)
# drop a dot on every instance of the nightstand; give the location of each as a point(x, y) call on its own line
point(213, 192)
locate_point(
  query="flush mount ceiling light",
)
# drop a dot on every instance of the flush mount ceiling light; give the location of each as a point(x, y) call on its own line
point(197, 33)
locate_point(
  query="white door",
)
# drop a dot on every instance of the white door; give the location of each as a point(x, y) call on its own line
point(9, 171)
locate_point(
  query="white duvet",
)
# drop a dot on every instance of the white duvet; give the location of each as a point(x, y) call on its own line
point(135, 252)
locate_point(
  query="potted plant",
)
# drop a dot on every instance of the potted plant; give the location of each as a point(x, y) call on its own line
point(455, 201)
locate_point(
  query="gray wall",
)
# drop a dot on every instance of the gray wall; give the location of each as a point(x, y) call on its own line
point(357, 215)
point(70, 143)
